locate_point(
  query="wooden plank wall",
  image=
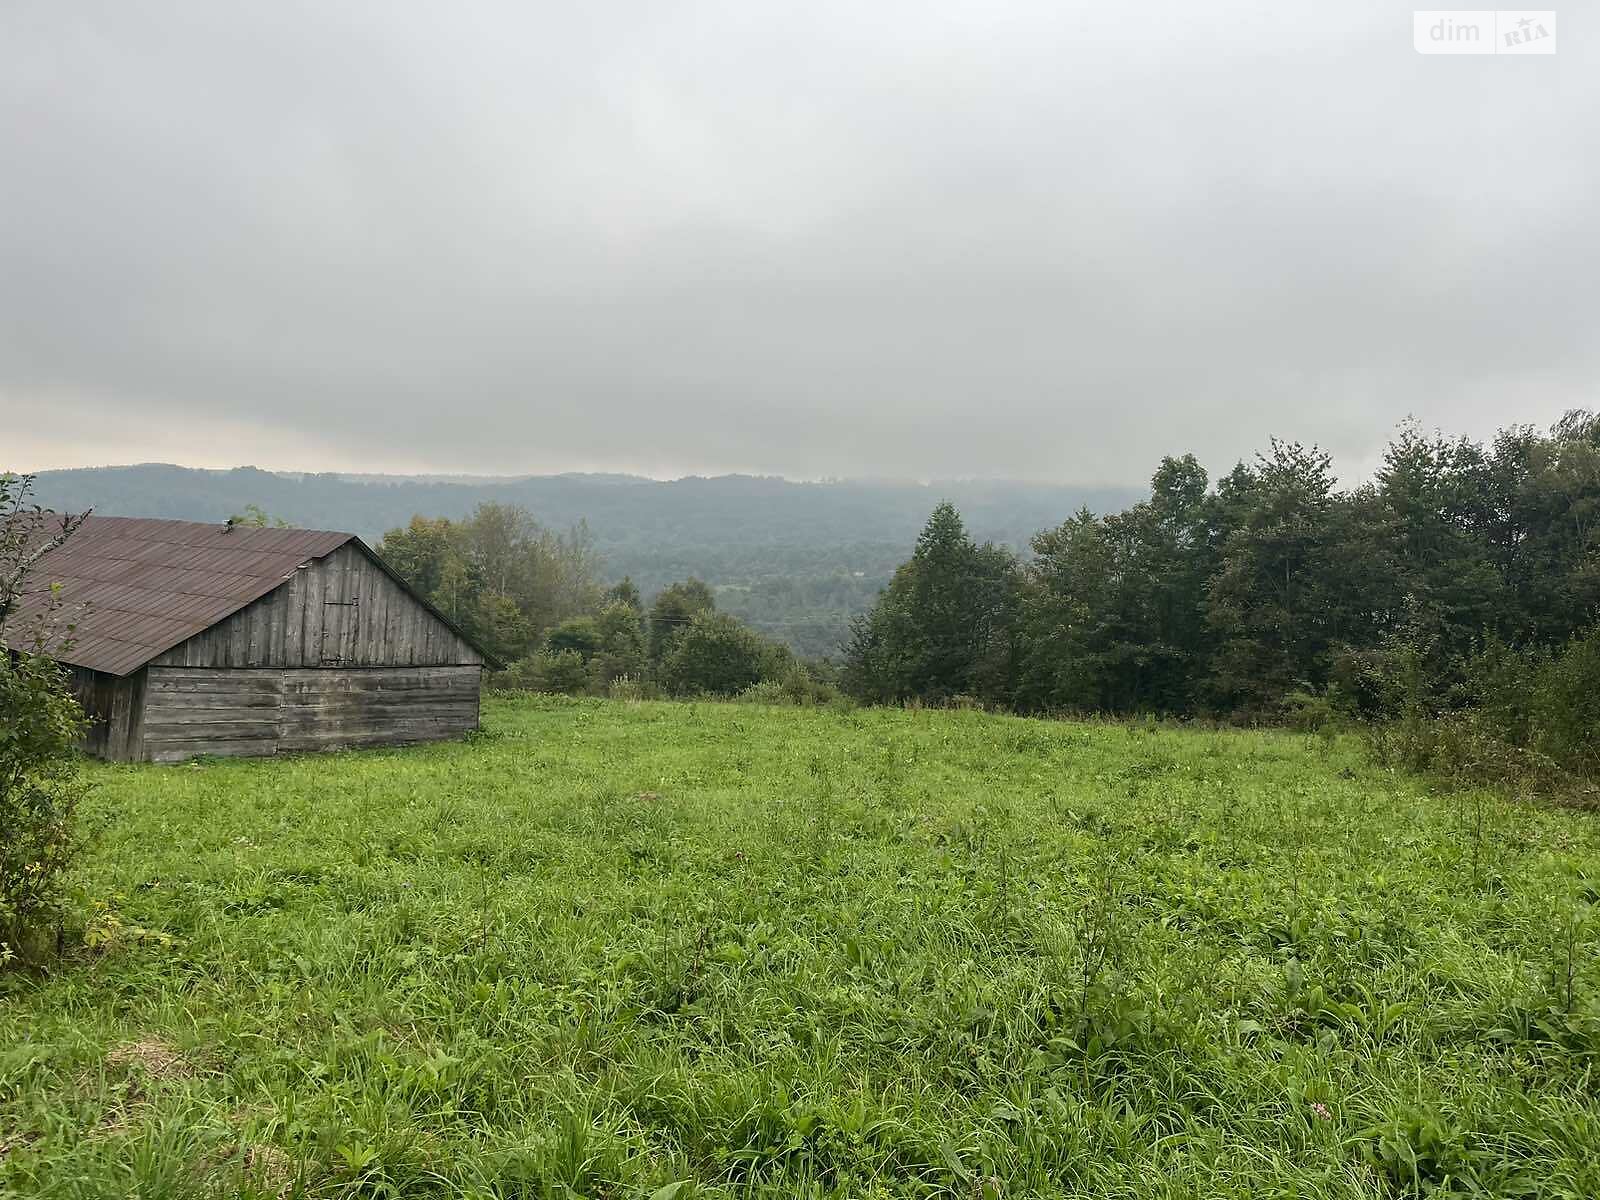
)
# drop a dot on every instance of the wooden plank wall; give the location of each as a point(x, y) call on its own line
point(94, 693)
point(332, 708)
point(190, 711)
point(229, 712)
point(309, 621)
point(127, 718)
point(113, 705)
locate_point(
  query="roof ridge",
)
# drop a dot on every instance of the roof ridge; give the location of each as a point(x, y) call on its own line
point(94, 518)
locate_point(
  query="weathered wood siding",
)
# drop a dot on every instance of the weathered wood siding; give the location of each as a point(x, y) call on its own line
point(225, 712)
point(341, 610)
point(114, 707)
point(190, 711)
point(333, 708)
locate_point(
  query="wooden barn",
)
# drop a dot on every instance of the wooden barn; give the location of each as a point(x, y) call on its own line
point(212, 639)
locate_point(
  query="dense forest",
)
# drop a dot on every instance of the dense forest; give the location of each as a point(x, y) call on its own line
point(1463, 577)
point(795, 560)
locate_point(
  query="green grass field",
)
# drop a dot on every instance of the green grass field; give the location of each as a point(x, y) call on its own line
point(611, 949)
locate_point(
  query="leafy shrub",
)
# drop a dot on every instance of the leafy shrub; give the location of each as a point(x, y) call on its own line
point(581, 635)
point(1309, 711)
point(796, 686)
point(1565, 707)
point(40, 791)
point(621, 646)
point(1366, 684)
point(40, 725)
point(582, 656)
point(713, 655)
point(518, 677)
point(674, 610)
point(561, 671)
point(1528, 718)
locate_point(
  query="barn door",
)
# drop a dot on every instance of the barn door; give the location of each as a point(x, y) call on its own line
point(341, 624)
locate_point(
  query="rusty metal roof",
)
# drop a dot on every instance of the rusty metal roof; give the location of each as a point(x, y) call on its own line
point(135, 588)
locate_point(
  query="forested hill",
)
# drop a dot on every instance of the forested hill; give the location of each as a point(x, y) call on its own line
point(795, 559)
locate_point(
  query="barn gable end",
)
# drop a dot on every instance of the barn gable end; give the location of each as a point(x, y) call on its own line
point(340, 610)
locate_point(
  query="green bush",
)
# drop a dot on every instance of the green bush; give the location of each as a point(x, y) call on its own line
point(561, 671)
point(1527, 718)
point(1368, 685)
point(714, 655)
point(40, 726)
point(40, 790)
point(517, 677)
point(581, 635)
point(1309, 711)
point(619, 648)
point(796, 687)
point(1565, 707)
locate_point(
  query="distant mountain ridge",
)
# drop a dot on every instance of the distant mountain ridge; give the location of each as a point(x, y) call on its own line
point(602, 477)
point(614, 505)
point(793, 558)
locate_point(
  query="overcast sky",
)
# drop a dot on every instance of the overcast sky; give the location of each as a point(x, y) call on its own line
point(872, 237)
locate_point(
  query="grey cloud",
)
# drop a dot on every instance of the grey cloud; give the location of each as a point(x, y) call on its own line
point(897, 238)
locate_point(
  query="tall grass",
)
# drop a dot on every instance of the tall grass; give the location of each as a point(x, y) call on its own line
point(692, 950)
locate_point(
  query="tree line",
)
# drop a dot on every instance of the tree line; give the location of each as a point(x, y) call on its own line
point(533, 598)
point(1268, 594)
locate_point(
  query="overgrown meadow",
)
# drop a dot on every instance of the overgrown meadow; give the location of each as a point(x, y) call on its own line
point(692, 950)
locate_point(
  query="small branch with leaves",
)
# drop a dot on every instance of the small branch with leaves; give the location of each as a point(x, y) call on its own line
point(28, 532)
